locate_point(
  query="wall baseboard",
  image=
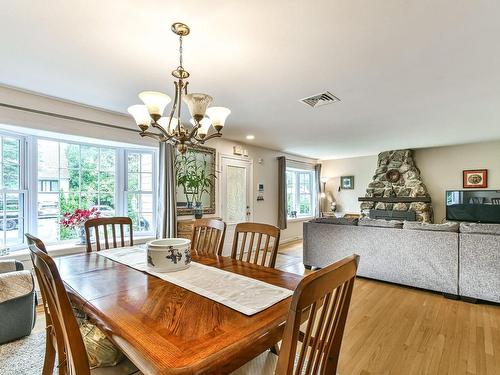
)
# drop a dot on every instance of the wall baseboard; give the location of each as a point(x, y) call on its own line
point(290, 239)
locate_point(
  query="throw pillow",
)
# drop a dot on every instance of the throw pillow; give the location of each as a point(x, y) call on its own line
point(445, 227)
point(367, 222)
point(338, 221)
point(480, 228)
point(101, 352)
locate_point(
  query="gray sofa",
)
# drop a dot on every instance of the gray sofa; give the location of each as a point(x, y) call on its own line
point(17, 301)
point(418, 258)
point(457, 260)
point(480, 261)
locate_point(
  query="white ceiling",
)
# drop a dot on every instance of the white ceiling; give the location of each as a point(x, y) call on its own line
point(409, 73)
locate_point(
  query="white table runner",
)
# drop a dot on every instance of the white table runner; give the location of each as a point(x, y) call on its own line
point(241, 293)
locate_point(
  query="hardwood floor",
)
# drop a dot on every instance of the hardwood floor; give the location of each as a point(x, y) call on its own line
point(397, 330)
point(393, 329)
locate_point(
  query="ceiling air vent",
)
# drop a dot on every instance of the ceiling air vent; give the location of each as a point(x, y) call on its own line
point(320, 99)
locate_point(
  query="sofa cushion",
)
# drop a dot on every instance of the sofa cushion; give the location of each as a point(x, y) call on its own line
point(335, 220)
point(101, 352)
point(367, 222)
point(480, 228)
point(445, 227)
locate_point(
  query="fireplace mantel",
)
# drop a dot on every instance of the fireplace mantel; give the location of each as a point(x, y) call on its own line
point(395, 199)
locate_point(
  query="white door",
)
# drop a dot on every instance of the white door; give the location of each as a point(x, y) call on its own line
point(236, 194)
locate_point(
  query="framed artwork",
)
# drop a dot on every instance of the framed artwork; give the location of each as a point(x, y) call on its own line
point(475, 178)
point(347, 182)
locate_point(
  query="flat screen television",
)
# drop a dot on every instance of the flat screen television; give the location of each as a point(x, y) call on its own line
point(482, 206)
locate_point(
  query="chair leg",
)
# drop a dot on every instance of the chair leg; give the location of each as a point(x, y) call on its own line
point(50, 354)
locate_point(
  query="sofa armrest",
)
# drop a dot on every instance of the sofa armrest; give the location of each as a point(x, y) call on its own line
point(15, 284)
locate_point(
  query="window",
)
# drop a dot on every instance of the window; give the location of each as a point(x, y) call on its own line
point(140, 201)
point(12, 192)
point(72, 176)
point(61, 176)
point(300, 193)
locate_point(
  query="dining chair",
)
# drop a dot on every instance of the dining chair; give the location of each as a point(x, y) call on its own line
point(495, 201)
point(71, 352)
point(101, 224)
point(208, 236)
point(315, 324)
point(50, 337)
point(255, 250)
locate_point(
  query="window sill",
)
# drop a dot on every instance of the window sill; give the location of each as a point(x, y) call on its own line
point(60, 249)
point(299, 219)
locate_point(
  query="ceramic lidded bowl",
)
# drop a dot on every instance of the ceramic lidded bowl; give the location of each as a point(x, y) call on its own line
point(168, 254)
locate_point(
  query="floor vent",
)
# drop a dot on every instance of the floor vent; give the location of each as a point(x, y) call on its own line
point(320, 99)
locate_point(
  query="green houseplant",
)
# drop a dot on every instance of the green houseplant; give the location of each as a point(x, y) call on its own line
point(193, 174)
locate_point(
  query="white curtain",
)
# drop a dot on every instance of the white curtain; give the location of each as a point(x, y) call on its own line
point(282, 204)
point(167, 203)
point(317, 175)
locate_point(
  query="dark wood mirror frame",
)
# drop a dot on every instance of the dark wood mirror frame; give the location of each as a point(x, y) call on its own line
point(211, 153)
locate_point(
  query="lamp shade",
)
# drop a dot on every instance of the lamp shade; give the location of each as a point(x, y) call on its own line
point(164, 123)
point(218, 116)
point(155, 102)
point(140, 114)
point(204, 126)
point(197, 104)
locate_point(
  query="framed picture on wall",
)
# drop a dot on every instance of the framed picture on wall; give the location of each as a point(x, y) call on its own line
point(475, 178)
point(347, 182)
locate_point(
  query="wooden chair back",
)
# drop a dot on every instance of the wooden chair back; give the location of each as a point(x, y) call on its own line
point(255, 243)
point(100, 229)
point(208, 236)
point(71, 352)
point(50, 340)
point(320, 302)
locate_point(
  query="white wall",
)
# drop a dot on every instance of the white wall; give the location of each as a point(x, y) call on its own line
point(441, 169)
point(361, 168)
point(265, 173)
point(264, 211)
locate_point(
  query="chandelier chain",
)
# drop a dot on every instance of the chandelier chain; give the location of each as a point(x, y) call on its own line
point(180, 51)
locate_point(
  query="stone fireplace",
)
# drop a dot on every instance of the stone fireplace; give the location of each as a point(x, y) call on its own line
point(397, 190)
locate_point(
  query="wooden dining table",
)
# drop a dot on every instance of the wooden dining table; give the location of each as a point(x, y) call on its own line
point(166, 329)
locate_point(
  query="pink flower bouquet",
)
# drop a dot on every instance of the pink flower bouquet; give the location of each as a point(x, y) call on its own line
point(79, 217)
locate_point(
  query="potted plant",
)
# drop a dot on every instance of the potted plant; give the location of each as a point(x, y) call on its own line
point(194, 176)
point(77, 219)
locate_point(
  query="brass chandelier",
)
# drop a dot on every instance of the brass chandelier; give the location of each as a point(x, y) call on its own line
point(149, 116)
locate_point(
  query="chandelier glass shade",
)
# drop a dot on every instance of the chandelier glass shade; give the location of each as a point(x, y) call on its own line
point(154, 124)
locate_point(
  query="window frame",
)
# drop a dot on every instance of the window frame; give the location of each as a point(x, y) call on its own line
point(22, 188)
point(28, 181)
point(297, 194)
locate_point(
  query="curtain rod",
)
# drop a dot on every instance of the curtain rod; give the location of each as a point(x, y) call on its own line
point(65, 117)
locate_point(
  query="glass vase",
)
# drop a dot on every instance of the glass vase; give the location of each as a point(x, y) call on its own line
point(80, 234)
